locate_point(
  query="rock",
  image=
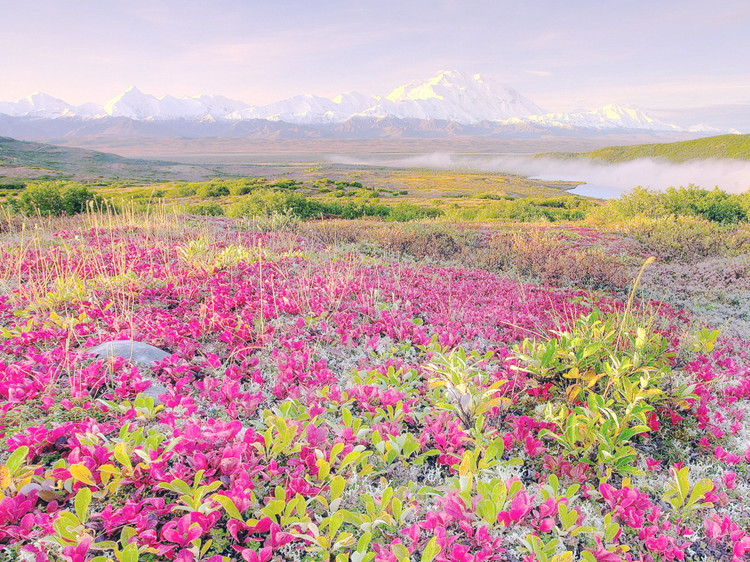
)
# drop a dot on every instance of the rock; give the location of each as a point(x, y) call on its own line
point(142, 354)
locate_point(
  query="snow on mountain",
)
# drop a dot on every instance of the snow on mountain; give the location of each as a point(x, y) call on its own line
point(309, 109)
point(611, 116)
point(449, 96)
point(38, 104)
point(135, 104)
point(453, 96)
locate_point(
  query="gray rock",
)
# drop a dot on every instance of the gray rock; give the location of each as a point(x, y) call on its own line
point(142, 354)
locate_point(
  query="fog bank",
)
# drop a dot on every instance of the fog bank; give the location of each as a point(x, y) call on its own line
point(601, 179)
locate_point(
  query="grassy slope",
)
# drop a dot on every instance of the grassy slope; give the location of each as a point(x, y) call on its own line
point(32, 159)
point(723, 146)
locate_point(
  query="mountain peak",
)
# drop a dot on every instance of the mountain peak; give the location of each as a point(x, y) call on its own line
point(463, 98)
point(447, 96)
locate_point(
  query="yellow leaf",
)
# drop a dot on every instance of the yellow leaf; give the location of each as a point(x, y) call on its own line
point(5, 480)
point(594, 380)
point(573, 391)
point(81, 473)
point(106, 471)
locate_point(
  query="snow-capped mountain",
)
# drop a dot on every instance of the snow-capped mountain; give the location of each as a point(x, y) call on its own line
point(38, 105)
point(452, 96)
point(608, 117)
point(309, 109)
point(135, 104)
point(443, 104)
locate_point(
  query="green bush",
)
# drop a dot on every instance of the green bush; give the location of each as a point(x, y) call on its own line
point(12, 184)
point(207, 209)
point(404, 212)
point(76, 199)
point(55, 199)
point(183, 190)
point(212, 190)
point(680, 238)
point(715, 206)
point(42, 199)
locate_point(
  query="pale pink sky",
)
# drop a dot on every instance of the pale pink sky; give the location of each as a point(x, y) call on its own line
point(562, 54)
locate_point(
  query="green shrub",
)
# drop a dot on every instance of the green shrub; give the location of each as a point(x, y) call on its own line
point(183, 190)
point(56, 198)
point(76, 199)
point(42, 199)
point(212, 190)
point(680, 238)
point(404, 212)
point(207, 209)
point(265, 201)
point(716, 206)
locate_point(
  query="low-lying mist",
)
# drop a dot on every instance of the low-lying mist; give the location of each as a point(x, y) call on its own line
point(601, 179)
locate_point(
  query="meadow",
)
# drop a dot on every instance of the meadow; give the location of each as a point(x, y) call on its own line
point(353, 373)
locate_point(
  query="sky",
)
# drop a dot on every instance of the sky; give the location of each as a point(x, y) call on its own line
point(562, 54)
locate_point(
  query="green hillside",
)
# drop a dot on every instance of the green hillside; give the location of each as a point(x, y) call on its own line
point(24, 159)
point(723, 146)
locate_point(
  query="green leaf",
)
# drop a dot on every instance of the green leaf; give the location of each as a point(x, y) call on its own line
point(364, 542)
point(130, 553)
point(386, 498)
point(229, 506)
point(337, 487)
point(335, 450)
point(610, 531)
point(701, 488)
point(65, 525)
point(630, 432)
point(587, 556)
point(178, 486)
point(351, 457)
point(431, 550)
point(401, 552)
point(16, 459)
point(274, 507)
point(82, 501)
point(335, 523)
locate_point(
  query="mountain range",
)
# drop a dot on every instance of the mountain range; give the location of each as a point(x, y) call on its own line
point(449, 103)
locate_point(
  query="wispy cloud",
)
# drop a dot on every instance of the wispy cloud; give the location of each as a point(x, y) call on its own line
point(542, 73)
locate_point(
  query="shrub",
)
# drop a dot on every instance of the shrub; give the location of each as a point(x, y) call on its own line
point(404, 212)
point(716, 206)
point(680, 238)
point(183, 190)
point(207, 209)
point(55, 199)
point(212, 190)
point(12, 184)
point(77, 198)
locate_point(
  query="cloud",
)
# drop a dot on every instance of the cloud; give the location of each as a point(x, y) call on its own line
point(601, 179)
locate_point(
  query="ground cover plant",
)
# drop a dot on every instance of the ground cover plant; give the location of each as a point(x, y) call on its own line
point(329, 402)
